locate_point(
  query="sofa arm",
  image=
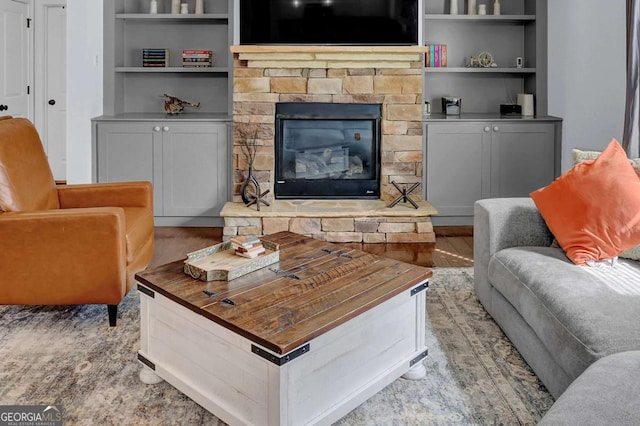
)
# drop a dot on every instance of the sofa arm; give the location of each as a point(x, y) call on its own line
point(500, 223)
point(58, 257)
point(116, 194)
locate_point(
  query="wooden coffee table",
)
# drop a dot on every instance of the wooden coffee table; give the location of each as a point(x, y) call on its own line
point(303, 341)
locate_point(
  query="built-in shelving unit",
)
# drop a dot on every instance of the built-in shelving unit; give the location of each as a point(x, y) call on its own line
point(479, 153)
point(129, 28)
point(519, 31)
point(185, 156)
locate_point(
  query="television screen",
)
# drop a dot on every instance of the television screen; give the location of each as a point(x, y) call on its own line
point(347, 22)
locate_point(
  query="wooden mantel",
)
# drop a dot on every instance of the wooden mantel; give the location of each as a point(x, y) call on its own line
point(319, 56)
point(246, 48)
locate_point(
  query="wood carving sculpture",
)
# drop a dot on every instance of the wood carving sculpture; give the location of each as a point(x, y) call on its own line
point(173, 105)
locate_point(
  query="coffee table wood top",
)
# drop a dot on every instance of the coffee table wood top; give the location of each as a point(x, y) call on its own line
point(315, 287)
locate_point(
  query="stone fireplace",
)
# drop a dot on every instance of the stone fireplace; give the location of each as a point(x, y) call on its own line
point(389, 77)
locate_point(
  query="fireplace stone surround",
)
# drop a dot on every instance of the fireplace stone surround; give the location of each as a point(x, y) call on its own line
point(386, 75)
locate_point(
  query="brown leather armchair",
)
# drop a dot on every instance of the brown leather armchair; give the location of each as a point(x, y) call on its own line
point(66, 244)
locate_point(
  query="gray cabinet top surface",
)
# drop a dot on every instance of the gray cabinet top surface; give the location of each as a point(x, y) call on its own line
point(160, 116)
point(442, 118)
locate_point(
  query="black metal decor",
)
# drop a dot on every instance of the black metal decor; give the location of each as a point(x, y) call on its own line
point(250, 191)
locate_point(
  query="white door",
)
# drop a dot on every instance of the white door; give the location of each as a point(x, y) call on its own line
point(51, 82)
point(14, 59)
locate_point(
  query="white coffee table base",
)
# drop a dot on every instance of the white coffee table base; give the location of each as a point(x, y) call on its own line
point(317, 383)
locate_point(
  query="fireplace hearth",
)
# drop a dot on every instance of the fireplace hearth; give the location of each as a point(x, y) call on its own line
point(327, 151)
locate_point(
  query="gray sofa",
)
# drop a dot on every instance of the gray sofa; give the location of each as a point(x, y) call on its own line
point(561, 317)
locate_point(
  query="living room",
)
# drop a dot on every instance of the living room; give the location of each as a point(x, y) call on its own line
point(570, 41)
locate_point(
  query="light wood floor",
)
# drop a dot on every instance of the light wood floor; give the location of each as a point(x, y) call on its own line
point(453, 246)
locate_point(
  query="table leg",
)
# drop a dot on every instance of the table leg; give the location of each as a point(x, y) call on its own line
point(148, 377)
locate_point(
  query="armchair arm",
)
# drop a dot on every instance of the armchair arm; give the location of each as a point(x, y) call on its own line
point(116, 194)
point(58, 257)
point(500, 223)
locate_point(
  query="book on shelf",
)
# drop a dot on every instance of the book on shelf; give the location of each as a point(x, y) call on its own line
point(435, 55)
point(197, 58)
point(155, 57)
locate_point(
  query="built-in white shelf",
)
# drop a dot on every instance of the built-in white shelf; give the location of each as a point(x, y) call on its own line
point(173, 17)
point(174, 69)
point(480, 18)
point(488, 70)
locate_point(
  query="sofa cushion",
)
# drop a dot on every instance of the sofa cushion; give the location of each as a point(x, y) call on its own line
point(578, 157)
point(580, 314)
point(607, 393)
point(593, 208)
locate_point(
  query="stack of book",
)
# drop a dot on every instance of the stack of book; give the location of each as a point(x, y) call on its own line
point(436, 55)
point(155, 57)
point(247, 246)
point(196, 58)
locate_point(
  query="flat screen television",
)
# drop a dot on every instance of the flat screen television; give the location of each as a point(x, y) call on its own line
point(340, 22)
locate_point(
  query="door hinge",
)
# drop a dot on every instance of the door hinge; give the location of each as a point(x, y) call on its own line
point(28, 22)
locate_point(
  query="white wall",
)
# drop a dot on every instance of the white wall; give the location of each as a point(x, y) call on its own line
point(84, 82)
point(586, 57)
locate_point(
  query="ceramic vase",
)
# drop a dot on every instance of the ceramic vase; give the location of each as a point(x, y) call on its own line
point(471, 7)
point(496, 7)
point(453, 7)
point(199, 7)
point(251, 181)
point(175, 6)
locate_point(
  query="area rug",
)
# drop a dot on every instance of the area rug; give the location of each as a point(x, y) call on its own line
point(68, 356)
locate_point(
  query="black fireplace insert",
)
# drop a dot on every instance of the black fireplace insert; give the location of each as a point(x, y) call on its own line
point(327, 150)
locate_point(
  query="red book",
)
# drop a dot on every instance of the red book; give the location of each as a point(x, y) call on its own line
point(443, 55)
point(196, 51)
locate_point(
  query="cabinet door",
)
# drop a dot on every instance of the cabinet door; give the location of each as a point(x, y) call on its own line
point(195, 165)
point(128, 152)
point(458, 169)
point(522, 158)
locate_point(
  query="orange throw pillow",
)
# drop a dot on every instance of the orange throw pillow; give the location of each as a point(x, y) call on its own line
point(593, 209)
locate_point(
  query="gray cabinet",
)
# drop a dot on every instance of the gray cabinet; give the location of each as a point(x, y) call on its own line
point(471, 160)
point(187, 162)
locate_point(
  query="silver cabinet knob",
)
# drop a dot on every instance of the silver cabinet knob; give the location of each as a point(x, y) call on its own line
point(496, 128)
point(165, 129)
point(156, 129)
point(487, 128)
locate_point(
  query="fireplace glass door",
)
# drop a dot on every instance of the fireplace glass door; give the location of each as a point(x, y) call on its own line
point(327, 150)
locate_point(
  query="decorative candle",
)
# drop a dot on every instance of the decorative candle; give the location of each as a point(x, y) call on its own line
point(471, 7)
point(453, 7)
point(199, 7)
point(175, 6)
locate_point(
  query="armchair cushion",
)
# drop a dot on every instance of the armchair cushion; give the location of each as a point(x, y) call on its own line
point(26, 181)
